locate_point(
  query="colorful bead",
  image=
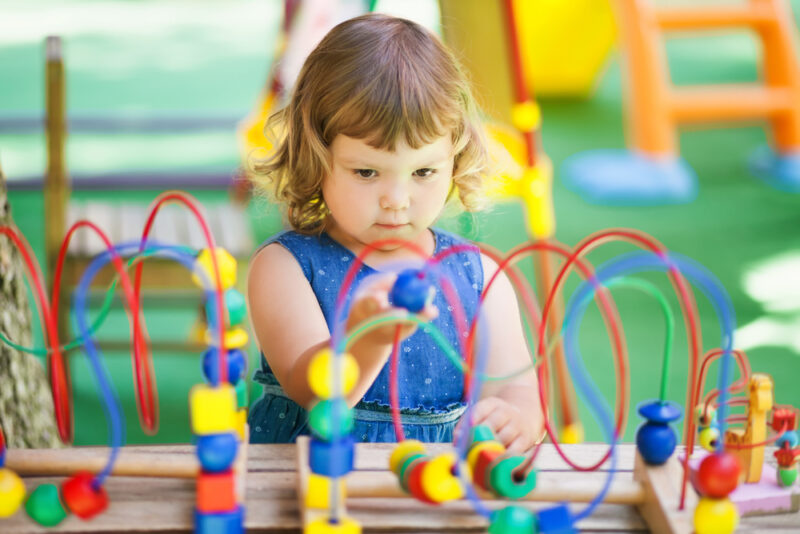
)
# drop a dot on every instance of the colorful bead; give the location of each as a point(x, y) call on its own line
point(555, 520)
point(332, 458)
point(237, 362)
point(414, 481)
point(321, 374)
point(572, 433)
point(405, 468)
point(660, 411)
point(715, 516)
point(216, 492)
point(212, 409)
point(475, 451)
point(324, 525)
point(242, 394)
point(709, 438)
point(12, 492)
point(705, 416)
point(203, 266)
point(513, 520)
point(412, 290)
point(506, 482)
point(231, 522)
point(481, 433)
point(402, 451)
point(437, 477)
point(787, 476)
point(480, 467)
point(235, 338)
point(44, 506)
point(790, 437)
point(526, 116)
point(83, 495)
point(718, 475)
point(321, 419)
point(241, 424)
point(656, 442)
point(235, 304)
point(784, 419)
point(217, 452)
point(318, 492)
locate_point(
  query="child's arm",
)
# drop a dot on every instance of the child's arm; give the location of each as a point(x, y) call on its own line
point(510, 408)
point(291, 329)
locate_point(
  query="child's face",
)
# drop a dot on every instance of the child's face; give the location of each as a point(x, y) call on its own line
point(375, 194)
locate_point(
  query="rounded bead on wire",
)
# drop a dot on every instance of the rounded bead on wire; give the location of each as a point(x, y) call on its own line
point(412, 290)
point(439, 481)
point(715, 516)
point(655, 438)
point(404, 470)
point(325, 525)
point(787, 476)
point(12, 492)
point(83, 496)
point(414, 481)
point(709, 438)
point(237, 362)
point(235, 338)
point(705, 416)
point(526, 116)
point(790, 437)
point(234, 303)
point(321, 374)
point(217, 452)
point(506, 482)
point(45, 507)
point(321, 419)
point(513, 520)
point(488, 446)
point(402, 451)
point(332, 458)
point(204, 269)
point(718, 475)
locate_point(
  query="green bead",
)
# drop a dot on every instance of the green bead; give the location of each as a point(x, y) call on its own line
point(406, 465)
point(503, 481)
point(320, 419)
point(44, 506)
point(235, 303)
point(787, 476)
point(513, 520)
point(242, 397)
point(482, 433)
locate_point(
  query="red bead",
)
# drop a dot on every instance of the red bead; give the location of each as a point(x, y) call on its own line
point(82, 497)
point(784, 419)
point(718, 475)
point(216, 492)
point(415, 486)
point(481, 472)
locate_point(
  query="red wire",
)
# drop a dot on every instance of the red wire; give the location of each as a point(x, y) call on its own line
point(393, 389)
point(189, 202)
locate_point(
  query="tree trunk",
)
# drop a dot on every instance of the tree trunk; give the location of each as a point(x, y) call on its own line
point(26, 403)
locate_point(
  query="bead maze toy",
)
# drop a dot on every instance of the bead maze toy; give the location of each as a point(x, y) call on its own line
point(218, 408)
point(478, 467)
point(651, 171)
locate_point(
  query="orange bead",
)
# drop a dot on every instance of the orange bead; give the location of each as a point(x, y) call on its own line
point(480, 473)
point(476, 449)
point(216, 492)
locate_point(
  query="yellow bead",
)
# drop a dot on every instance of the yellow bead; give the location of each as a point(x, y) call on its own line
point(535, 190)
point(318, 492)
point(526, 116)
point(572, 434)
point(235, 338)
point(438, 480)
point(321, 375)
point(227, 269)
point(402, 451)
point(213, 409)
point(708, 438)
point(12, 492)
point(323, 525)
point(715, 516)
point(241, 423)
point(476, 449)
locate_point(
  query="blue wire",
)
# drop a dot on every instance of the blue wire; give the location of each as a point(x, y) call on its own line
point(111, 404)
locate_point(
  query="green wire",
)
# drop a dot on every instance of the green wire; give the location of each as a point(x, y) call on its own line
point(104, 311)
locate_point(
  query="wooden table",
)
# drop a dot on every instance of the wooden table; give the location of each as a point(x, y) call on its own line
point(166, 504)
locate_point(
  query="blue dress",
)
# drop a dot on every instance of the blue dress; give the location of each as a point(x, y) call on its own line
point(430, 385)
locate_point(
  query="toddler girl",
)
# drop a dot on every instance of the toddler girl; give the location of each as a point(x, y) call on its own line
point(381, 131)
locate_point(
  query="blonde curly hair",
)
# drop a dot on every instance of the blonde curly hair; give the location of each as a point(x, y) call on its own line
point(380, 79)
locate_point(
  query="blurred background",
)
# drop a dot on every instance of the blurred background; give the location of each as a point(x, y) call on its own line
point(155, 91)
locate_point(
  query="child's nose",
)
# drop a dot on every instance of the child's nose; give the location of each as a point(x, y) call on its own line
point(395, 197)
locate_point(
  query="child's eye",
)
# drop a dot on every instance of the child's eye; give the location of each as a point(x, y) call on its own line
point(365, 173)
point(424, 173)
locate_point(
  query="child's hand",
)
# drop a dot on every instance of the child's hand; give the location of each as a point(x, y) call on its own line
point(373, 302)
point(516, 431)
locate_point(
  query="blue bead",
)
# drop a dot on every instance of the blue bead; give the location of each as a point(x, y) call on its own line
point(332, 458)
point(2, 456)
point(788, 436)
point(411, 290)
point(656, 442)
point(219, 523)
point(217, 452)
point(660, 411)
point(236, 365)
point(555, 520)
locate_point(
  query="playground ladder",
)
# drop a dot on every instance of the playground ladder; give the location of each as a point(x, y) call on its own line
point(656, 108)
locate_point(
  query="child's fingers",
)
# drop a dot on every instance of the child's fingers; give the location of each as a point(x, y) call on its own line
point(519, 445)
point(508, 433)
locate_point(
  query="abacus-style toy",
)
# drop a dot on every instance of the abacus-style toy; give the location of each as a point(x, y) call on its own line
point(481, 470)
point(218, 408)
